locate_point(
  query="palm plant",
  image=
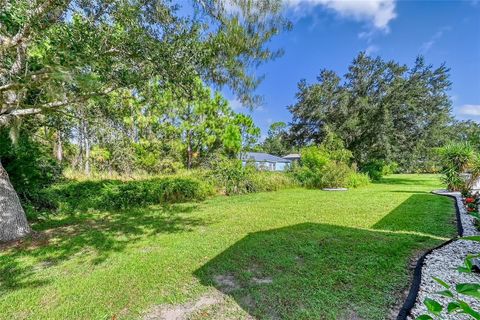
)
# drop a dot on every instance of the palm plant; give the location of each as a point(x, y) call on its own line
point(457, 157)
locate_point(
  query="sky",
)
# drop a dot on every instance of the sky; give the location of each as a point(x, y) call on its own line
point(330, 33)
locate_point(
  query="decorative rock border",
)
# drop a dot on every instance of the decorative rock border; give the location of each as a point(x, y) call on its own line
point(442, 262)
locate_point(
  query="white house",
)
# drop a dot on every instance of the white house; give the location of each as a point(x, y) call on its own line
point(264, 161)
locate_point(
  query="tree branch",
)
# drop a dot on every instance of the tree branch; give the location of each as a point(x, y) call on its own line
point(7, 116)
point(24, 32)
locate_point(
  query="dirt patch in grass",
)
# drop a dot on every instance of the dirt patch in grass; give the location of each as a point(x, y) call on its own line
point(227, 283)
point(183, 311)
point(212, 305)
point(266, 280)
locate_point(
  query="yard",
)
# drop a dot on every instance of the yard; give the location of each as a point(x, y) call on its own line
point(290, 254)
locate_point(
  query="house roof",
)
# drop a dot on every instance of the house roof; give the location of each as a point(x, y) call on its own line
point(292, 156)
point(260, 156)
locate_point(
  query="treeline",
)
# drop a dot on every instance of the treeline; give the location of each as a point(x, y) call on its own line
point(384, 112)
point(155, 130)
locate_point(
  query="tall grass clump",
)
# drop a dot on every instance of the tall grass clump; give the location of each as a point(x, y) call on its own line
point(232, 177)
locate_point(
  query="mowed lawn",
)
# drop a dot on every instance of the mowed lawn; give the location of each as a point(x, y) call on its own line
point(291, 254)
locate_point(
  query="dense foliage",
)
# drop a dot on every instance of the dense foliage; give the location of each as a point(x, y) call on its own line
point(30, 165)
point(233, 178)
point(384, 111)
point(328, 166)
point(116, 194)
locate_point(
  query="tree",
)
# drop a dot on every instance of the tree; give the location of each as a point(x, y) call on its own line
point(58, 53)
point(467, 131)
point(277, 141)
point(382, 110)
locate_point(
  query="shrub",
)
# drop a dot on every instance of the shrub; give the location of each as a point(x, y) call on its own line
point(334, 175)
point(231, 177)
point(376, 169)
point(326, 166)
point(456, 156)
point(314, 158)
point(456, 159)
point(114, 194)
point(260, 181)
point(358, 179)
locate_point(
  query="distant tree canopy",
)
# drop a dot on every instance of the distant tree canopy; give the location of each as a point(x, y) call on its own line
point(466, 131)
point(277, 141)
point(382, 110)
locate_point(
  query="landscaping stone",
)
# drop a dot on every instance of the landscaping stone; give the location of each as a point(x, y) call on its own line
point(334, 189)
point(443, 263)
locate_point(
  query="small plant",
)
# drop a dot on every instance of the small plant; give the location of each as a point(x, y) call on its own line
point(472, 204)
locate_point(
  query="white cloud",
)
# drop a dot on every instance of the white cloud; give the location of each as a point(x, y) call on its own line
point(377, 12)
point(470, 110)
point(235, 105)
point(426, 46)
point(371, 49)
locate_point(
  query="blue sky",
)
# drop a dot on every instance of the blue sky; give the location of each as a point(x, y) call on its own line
point(330, 33)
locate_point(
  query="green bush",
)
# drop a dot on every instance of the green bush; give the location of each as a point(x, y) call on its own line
point(231, 177)
point(115, 194)
point(376, 169)
point(334, 175)
point(260, 181)
point(327, 166)
point(358, 179)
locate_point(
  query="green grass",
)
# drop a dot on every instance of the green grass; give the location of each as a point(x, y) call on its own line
point(328, 255)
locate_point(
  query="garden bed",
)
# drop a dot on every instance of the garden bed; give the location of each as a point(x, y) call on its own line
point(442, 263)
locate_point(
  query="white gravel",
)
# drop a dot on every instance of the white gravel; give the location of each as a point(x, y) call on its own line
point(443, 263)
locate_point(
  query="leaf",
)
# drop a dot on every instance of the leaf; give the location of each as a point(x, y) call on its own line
point(424, 317)
point(443, 283)
point(452, 306)
point(469, 289)
point(445, 293)
point(464, 269)
point(433, 306)
point(468, 310)
point(473, 238)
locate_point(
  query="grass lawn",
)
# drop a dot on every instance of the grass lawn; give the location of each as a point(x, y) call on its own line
point(291, 254)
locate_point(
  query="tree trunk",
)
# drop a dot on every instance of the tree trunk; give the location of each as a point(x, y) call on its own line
point(189, 151)
point(13, 222)
point(87, 149)
point(59, 151)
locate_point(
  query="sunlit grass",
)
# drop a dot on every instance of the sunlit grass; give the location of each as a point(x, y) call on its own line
point(329, 255)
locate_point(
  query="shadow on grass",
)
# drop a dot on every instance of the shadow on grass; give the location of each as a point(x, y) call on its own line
point(414, 181)
point(90, 237)
point(315, 271)
point(423, 213)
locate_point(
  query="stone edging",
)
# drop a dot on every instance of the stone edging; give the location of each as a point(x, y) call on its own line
point(463, 219)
